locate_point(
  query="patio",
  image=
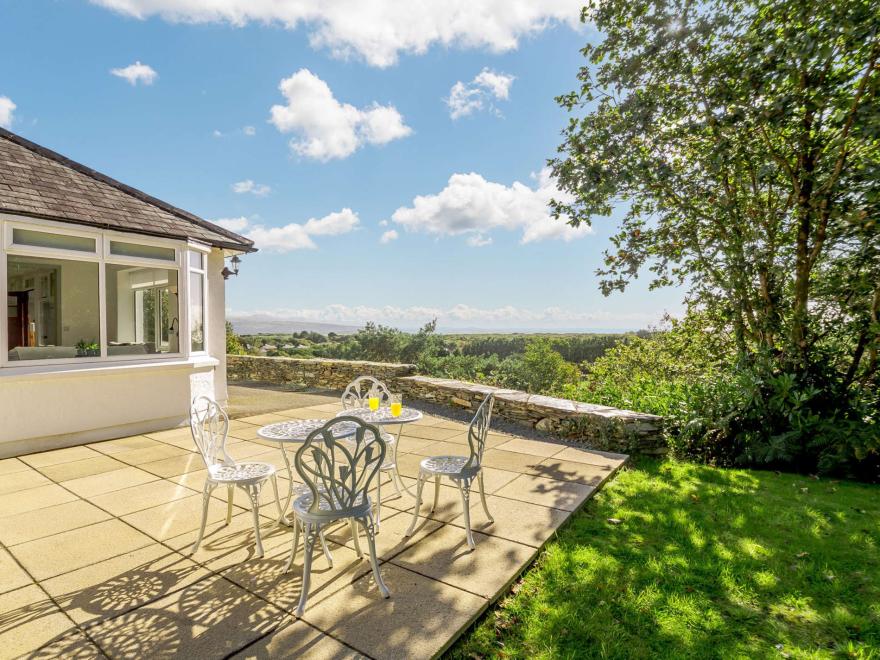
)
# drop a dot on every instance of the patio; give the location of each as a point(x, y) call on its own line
point(95, 541)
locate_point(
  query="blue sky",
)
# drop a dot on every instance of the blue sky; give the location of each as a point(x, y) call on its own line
point(362, 129)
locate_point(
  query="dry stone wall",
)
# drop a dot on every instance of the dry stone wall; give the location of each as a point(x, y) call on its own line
point(600, 427)
point(327, 374)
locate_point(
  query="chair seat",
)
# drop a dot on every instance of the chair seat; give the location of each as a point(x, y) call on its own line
point(303, 503)
point(240, 472)
point(446, 465)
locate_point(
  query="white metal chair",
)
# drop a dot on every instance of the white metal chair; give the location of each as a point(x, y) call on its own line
point(357, 395)
point(338, 475)
point(210, 427)
point(461, 470)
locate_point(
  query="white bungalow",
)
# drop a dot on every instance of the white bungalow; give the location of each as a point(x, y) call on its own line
point(114, 304)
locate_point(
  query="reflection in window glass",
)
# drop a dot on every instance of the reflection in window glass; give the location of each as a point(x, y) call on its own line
point(197, 311)
point(56, 241)
point(144, 251)
point(196, 259)
point(52, 309)
point(143, 310)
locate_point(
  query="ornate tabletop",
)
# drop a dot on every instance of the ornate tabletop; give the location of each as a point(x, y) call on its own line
point(298, 430)
point(382, 415)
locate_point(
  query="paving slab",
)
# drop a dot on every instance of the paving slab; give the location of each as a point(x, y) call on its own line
point(22, 480)
point(485, 571)
point(32, 499)
point(28, 620)
point(67, 551)
point(12, 576)
point(107, 482)
point(297, 639)
point(422, 617)
point(142, 496)
point(24, 527)
point(565, 495)
point(10, 465)
point(98, 464)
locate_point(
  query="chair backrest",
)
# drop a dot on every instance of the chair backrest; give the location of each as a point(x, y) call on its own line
point(340, 470)
point(210, 425)
point(478, 430)
point(358, 392)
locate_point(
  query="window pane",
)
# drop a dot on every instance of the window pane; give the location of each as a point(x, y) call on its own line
point(56, 241)
point(143, 310)
point(196, 259)
point(52, 308)
point(197, 311)
point(144, 251)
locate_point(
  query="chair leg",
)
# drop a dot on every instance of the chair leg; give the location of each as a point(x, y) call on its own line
point(436, 493)
point(355, 535)
point(483, 497)
point(230, 494)
point(327, 554)
point(464, 486)
point(378, 500)
point(295, 546)
point(309, 534)
point(415, 519)
point(206, 499)
point(367, 523)
point(254, 493)
point(277, 499)
point(395, 478)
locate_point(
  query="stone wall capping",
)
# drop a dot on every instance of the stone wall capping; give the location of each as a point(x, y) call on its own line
point(599, 427)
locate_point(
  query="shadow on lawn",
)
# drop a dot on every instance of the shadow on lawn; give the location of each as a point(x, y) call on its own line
point(703, 563)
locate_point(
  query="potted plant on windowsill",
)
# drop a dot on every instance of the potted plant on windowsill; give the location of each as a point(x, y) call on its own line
point(87, 349)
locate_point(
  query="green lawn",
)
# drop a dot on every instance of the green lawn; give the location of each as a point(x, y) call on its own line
point(704, 563)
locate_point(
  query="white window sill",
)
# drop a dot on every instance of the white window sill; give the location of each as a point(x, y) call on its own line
point(133, 367)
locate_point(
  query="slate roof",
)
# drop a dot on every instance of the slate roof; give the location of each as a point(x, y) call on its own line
point(37, 182)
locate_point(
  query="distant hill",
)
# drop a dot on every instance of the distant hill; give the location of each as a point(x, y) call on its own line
point(265, 324)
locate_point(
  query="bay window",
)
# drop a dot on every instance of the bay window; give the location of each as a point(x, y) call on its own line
point(75, 294)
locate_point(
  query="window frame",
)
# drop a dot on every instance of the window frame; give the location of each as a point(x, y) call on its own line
point(103, 257)
point(205, 251)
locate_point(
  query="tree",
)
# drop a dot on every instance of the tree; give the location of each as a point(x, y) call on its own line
point(742, 137)
point(233, 343)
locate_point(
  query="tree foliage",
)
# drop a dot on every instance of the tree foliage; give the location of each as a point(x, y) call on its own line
point(742, 137)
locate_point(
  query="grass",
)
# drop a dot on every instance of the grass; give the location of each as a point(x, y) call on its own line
point(704, 563)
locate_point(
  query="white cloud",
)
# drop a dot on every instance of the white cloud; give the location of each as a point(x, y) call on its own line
point(461, 316)
point(232, 224)
point(136, 73)
point(388, 236)
point(248, 186)
point(250, 131)
point(293, 236)
point(326, 128)
point(7, 109)
point(478, 240)
point(380, 30)
point(473, 206)
point(487, 87)
point(217, 133)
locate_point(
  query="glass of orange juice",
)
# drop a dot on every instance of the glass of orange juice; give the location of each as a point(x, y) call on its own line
point(374, 401)
point(396, 405)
